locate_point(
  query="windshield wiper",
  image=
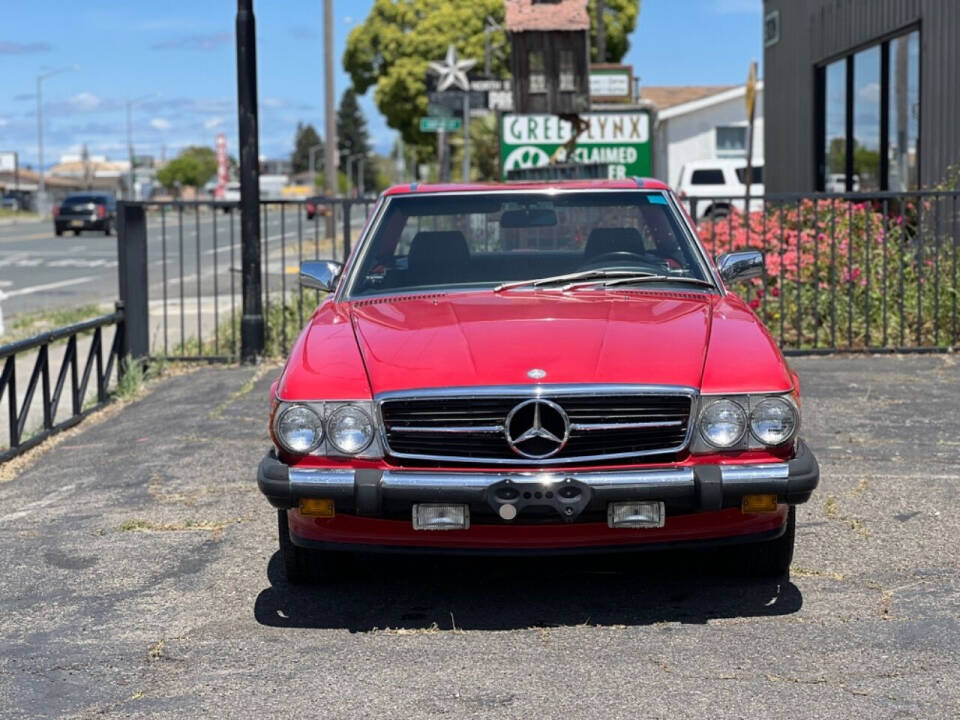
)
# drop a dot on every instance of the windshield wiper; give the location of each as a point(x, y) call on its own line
point(642, 279)
point(582, 275)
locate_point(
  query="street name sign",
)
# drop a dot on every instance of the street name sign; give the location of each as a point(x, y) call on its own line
point(436, 124)
point(619, 139)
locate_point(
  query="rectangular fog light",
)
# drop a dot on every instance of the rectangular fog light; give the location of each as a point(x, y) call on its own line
point(636, 514)
point(317, 507)
point(760, 503)
point(441, 517)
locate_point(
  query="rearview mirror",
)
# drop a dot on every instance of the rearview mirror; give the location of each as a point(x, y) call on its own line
point(528, 218)
point(320, 274)
point(742, 265)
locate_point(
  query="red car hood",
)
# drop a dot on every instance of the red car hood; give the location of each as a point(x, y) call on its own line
point(465, 339)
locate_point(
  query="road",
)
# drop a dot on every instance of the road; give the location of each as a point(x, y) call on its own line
point(140, 579)
point(39, 271)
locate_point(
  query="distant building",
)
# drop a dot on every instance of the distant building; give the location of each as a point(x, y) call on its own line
point(863, 94)
point(700, 123)
point(277, 166)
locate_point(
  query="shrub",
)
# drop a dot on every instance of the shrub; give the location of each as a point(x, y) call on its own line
point(851, 274)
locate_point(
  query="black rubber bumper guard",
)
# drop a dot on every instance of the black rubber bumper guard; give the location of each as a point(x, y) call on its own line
point(697, 488)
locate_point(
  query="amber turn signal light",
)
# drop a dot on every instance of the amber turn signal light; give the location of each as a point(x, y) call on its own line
point(766, 502)
point(317, 507)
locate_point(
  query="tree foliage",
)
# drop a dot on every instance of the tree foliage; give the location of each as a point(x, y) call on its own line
point(305, 138)
point(353, 139)
point(392, 48)
point(620, 19)
point(193, 166)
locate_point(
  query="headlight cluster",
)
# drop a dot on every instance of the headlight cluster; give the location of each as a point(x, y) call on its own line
point(326, 429)
point(747, 421)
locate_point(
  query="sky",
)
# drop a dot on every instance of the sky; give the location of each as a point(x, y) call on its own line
point(177, 59)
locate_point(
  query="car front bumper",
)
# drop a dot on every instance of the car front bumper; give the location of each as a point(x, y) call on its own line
point(689, 489)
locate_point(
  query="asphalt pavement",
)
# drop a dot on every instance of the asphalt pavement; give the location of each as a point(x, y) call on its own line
point(40, 271)
point(140, 579)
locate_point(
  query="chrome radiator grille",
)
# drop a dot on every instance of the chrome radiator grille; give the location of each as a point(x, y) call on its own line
point(585, 424)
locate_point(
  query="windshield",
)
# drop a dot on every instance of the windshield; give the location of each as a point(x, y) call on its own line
point(499, 240)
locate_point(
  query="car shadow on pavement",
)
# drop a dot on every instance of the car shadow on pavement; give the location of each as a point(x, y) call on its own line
point(410, 593)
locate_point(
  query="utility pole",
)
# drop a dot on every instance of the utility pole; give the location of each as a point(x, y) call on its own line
point(466, 135)
point(330, 139)
point(251, 325)
point(131, 155)
point(313, 164)
point(41, 185)
point(751, 100)
point(601, 33)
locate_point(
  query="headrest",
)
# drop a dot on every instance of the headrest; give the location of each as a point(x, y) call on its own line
point(603, 240)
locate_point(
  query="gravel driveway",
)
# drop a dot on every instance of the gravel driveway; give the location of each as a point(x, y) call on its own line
point(139, 578)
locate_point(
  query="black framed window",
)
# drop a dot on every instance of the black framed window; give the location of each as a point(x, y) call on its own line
point(868, 110)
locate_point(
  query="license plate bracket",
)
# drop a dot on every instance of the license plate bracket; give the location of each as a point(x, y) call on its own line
point(510, 496)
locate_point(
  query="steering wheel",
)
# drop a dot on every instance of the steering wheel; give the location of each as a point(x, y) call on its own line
point(623, 255)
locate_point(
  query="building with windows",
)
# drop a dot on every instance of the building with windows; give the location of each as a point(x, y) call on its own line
point(693, 123)
point(863, 95)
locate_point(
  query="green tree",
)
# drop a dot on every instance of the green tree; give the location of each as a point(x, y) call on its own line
point(305, 138)
point(353, 139)
point(392, 48)
point(193, 166)
point(620, 18)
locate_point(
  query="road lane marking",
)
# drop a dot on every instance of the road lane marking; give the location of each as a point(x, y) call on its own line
point(30, 507)
point(49, 286)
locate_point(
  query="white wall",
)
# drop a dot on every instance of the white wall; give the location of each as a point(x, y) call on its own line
point(692, 136)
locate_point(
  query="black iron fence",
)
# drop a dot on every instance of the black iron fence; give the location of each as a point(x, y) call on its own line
point(846, 272)
point(56, 410)
point(180, 271)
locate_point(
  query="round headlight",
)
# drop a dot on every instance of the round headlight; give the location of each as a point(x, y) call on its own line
point(723, 423)
point(773, 421)
point(350, 430)
point(299, 429)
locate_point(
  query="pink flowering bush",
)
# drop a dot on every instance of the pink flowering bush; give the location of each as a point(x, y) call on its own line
point(850, 274)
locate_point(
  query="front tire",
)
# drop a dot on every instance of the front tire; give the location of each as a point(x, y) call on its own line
point(302, 566)
point(107, 229)
point(769, 559)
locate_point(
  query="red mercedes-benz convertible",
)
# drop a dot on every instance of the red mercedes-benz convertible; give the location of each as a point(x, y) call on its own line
point(534, 368)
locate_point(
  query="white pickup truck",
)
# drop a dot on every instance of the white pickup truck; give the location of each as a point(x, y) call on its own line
point(710, 188)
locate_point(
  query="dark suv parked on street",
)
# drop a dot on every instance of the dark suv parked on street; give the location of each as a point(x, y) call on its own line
point(85, 211)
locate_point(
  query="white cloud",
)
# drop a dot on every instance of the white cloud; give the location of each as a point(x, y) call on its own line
point(85, 101)
point(869, 92)
point(348, 19)
point(160, 124)
point(3, 121)
point(273, 103)
point(213, 122)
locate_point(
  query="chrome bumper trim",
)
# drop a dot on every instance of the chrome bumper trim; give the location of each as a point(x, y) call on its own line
point(337, 480)
point(404, 480)
point(746, 473)
point(332, 480)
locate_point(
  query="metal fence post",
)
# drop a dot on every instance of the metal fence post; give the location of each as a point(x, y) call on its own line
point(346, 230)
point(251, 324)
point(132, 256)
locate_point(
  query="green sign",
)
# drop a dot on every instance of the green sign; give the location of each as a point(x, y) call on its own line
point(619, 139)
point(436, 124)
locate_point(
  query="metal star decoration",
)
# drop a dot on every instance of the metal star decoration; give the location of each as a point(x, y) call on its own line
point(452, 71)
